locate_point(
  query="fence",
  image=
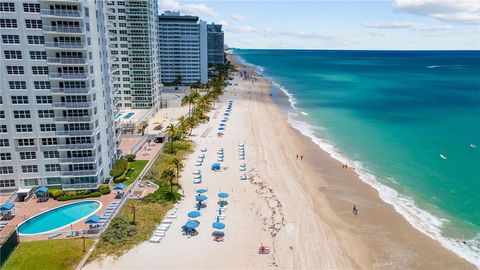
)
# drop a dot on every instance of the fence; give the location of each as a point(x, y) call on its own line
point(8, 245)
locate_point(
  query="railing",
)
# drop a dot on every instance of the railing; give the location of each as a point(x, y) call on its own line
point(65, 45)
point(74, 132)
point(71, 90)
point(68, 75)
point(79, 173)
point(81, 186)
point(63, 29)
point(77, 160)
point(61, 13)
point(71, 104)
point(73, 61)
point(74, 119)
point(76, 146)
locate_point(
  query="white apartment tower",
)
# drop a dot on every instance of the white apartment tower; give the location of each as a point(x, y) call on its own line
point(133, 25)
point(183, 49)
point(56, 110)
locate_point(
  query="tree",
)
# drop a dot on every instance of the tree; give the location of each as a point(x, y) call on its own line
point(190, 100)
point(168, 175)
point(178, 164)
point(171, 134)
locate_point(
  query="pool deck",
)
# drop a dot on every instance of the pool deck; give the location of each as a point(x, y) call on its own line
point(25, 210)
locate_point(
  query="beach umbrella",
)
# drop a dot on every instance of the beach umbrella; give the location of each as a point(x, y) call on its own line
point(42, 190)
point(223, 195)
point(192, 224)
point(194, 214)
point(7, 206)
point(216, 166)
point(92, 219)
point(201, 198)
point(201, 190)
point(221, 128)
point(223, 120)
point(218, 225)
point(226, 113)
point(120, 187)
point(222, 124)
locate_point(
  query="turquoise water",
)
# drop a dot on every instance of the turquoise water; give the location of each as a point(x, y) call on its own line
point(58, 217)
point(118, 115)
point(391, 114)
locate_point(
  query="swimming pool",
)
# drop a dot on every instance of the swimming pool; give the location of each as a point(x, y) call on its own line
point(128, 115)
point(58, 217)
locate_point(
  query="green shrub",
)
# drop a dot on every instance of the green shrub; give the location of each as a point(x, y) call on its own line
point(161, 195)
point(119, 231)
point(77, 196)
point(121, 165)
point(130, 157)
point(120, 179)
point(55, 192)
point(104, 189)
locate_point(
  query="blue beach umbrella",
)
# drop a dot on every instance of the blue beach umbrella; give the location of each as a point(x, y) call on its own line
point(194, 214)
point(221, 128)
point(42, 190)
point(216, 166)
point(201, 198)
point(192, 224)
point(120, 187)
point(218, 225)
point(226, 113)
point(222, 124)
point(201, 190)
point(224, 120)
point(92, 219)
point(223, 195)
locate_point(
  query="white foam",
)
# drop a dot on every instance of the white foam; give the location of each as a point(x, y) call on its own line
point(304, 113)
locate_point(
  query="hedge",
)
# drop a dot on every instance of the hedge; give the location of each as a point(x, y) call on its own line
point(104, 189)
point(121, 165)
point(55, 192)
point(66, 197)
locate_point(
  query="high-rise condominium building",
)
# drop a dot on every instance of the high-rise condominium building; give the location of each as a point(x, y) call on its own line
point(133, 27)
point(183, 49)
point(56, 110)
point(215, 44)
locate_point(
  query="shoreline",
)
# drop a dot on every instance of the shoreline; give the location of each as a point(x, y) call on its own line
point(285, 102)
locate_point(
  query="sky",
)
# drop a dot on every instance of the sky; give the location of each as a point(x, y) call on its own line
point(354, 24)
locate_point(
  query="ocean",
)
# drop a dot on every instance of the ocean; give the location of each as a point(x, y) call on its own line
point(407, 121)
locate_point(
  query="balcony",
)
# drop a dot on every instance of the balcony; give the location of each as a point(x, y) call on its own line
point(80, 186)
point(66, 45)
point(63, 29)
point(79, 173)
point(77, 160)
point(66, 61)
point(75, 132)
point(61, 105)
point(74, 119)
point(70, 90)
point(68, 76)
point(61, 13)
point(80, 146)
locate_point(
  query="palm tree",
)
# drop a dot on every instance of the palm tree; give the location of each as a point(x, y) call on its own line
point(168, 175)
point(178, 164)
point(190, 100)
point(171, 133)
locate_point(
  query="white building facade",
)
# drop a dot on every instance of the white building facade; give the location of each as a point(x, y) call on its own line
point(183, 49)
point(56, 106)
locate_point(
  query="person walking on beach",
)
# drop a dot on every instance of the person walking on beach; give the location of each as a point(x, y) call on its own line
point(355, 209)
point(297, 156)
point(301, 157)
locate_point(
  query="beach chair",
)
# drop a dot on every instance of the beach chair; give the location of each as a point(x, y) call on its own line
point(70, 234)
point(53, 235)
point(155, 239)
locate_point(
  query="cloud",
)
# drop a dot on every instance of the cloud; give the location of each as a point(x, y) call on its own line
point(239, 17)
point(379, 34)
point(458, 11)
point(193, 9)
point(241, 29)
point(408, 25)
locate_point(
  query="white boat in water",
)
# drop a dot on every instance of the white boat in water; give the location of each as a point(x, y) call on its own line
point(473, 145)
point(443, 156)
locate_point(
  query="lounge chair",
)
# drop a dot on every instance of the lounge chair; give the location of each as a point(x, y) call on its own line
point(53, 235)
point(155, 239)
point(69, 234)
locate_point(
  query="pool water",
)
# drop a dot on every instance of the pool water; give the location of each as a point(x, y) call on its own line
point(128, 115)
point(58, 217)
point(118, 115)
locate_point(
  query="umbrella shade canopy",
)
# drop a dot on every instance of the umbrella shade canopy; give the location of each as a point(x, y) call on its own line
point(222, 124)
point(194, 214)
point(218, 225)
point(226, 113)
point(201, 197)
point(224, 120)
point(120, 187)
point(191, 224)
point(221, 128)
point(216, 166)
point(92, 219)
point(7, 206)
point(201, 190)
point(42, 190)
point(223, 195)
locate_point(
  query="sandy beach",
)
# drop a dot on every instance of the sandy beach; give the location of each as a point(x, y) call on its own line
point(301, 209)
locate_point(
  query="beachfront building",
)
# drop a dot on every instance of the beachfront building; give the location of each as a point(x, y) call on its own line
point(182, 49)
point(216, 45)
point(132, 25)
point(56, 110)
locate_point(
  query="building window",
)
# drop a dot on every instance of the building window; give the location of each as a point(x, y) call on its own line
point(7, 183)
point(21, 114)
point(8, 23)
point(2, 114)
point(3, 129)
point(45, 114)
point(40, 70)
point(24, 128)
point(37, 55)
point(41, 85)
point(10, 39)
point(19, 99)
point(28, 155)
point(4, 143)
point(29, 169)
point(48, 127)
point(49, 141)
point(15, 70)
point(31, 7)
point(52, 167)
point(26, 142)
point(36, 40)
point(54, 181)
point(6, 169)
point(33, 24)
point(7, 7)
point(17, 85)
point(44, 99)
point(30, 182)
point(13, 54)
point(5, 156)
point(50, 154)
